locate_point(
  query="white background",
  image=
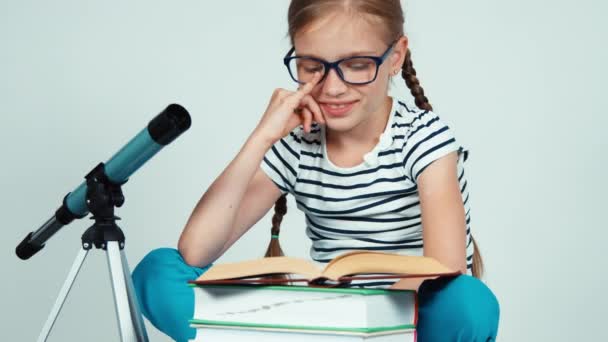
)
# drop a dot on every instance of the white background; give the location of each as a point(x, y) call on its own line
point(521, 83)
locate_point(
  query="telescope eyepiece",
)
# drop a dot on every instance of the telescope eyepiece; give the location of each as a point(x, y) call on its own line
point(169, 124)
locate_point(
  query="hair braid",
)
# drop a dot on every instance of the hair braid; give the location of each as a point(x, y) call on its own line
point(409, 75)
point(477, 269)
point(274, 247)
point(280, 208)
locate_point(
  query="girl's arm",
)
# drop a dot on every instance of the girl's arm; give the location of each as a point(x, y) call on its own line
point(261, 195)
point(234, 202)
point(443, 217)
point(242, 193)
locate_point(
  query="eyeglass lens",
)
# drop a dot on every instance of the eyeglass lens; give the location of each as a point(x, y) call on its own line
point(354, 70)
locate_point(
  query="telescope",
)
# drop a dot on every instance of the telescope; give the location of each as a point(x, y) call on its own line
point(99, 194)
point(161, 131)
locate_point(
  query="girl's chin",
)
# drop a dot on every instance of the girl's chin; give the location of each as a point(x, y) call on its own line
point(339, 125)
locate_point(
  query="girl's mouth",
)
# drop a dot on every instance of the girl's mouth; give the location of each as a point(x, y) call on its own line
point(337, 110)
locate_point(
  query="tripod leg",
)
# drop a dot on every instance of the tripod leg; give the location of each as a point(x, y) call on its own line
point(63, 293)
point(130, 329)
point(136, 315)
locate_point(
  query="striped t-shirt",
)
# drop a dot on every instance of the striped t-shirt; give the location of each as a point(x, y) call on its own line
point(373, 205)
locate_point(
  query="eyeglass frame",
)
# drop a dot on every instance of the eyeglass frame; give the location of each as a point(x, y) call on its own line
point(327, 66)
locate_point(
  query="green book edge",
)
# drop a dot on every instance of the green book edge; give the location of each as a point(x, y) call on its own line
point(302, 327)
point(365, 292)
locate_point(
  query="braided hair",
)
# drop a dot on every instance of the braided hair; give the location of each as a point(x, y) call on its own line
point(274, 247)
point(409, 75)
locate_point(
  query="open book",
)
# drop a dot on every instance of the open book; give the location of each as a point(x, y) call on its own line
point(344, 268)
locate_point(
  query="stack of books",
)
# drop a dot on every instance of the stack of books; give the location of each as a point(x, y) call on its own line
point(241, 302)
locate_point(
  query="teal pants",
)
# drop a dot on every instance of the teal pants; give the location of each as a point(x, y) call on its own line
point(453, 309)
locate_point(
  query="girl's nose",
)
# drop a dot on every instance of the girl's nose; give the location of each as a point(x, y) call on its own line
point(333, 84)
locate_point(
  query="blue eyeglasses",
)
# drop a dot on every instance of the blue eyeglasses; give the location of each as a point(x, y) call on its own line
point(356, 70)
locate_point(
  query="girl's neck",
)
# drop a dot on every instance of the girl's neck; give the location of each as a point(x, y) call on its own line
point(366, 133)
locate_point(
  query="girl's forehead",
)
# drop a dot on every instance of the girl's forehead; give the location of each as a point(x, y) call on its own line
point(338, 36)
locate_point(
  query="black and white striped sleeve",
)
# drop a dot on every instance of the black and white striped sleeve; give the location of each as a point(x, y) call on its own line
point(282, 160)
point(428, 140)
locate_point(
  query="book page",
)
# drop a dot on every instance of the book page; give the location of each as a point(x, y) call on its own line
point(261, 267)
point(377, 262)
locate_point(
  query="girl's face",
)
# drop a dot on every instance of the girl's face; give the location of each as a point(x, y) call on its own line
point(338, 36)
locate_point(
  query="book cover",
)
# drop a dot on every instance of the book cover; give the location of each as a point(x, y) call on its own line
point(218, 333)
point(363, 310)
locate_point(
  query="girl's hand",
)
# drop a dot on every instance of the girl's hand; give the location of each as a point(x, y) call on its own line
point(289, 109)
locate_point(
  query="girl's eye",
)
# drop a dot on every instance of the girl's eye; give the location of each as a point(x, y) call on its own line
point(312, 69)
point(309, 66)
point(359, 64)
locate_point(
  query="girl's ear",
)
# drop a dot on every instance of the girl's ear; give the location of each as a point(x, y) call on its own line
point(399, 52)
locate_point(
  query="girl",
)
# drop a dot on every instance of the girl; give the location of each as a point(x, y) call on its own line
point(368, 170)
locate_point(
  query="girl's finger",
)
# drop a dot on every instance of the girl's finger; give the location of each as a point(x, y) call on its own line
point(307, 118)
point(307, 88)
point(314, 108)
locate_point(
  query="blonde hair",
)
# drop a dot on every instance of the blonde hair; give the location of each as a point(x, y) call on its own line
point(390, 14)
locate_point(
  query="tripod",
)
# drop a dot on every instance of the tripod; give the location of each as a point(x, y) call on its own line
point(102, 196)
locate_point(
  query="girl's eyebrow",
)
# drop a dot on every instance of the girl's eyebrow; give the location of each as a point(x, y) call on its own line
point(346, 55)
